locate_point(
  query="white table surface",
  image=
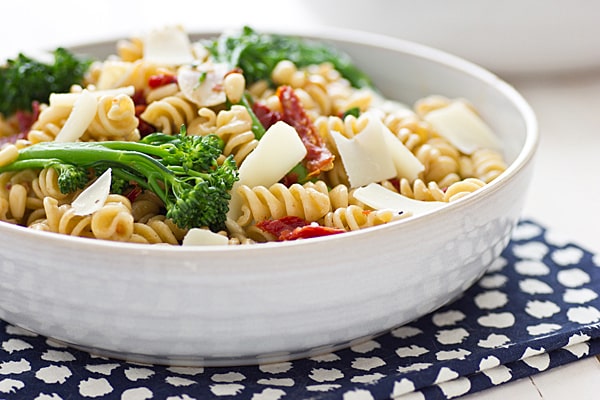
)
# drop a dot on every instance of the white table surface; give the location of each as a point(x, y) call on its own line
point(566, 186)
point(564, 197)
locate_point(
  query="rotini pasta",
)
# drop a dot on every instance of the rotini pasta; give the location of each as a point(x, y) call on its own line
point(115, 120)
point(62, 219)
point(113, 221)
point(46, 185)
point(169, 114)
point(234, 126)
point(488, 164)
point(322, 105)
point(130, 50)
point(419, 190)
point(353, 218)
point(157, 229)
point(48, 124)
point(261, 203)
point(462, 188)
point(118, 73)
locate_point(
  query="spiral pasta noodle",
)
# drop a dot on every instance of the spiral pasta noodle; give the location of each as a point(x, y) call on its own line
point(234, 126)
point(488, 164)
point(204, 123)
point(157, 229)
point(419, 190)
point(48, 124)
point(17, 197)
point(46, 185)
point(145, 206)
point(169, 114)
point(353, 218)
point(161, 92)
point(339, 196)
point(115, 120)
point(261, 203)
point(130, 49)
point(62, 219)
point(408, 128)
point(113, 221)
point(460, 189)
point(237, 234)
point(118, 73)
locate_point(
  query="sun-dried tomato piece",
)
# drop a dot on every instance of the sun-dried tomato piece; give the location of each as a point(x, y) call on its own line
point(292, 228)
point(311, 231)
point(159, 80)
point(277, 227)
point(21, 120)
point(12, 138)
point(139, 100)
point(133, 193)
point(265, 115)
point(318, 157)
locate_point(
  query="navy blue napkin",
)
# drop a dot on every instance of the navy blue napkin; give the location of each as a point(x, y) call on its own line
point(535, 309)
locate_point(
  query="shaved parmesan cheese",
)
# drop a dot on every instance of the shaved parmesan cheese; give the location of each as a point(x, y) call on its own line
point(113, 74)
point(407, 164)
point(168, 46)
point(278, 151)
point(81, 116)
point(68, 99)
point(203, 85)
point(462, 127)
point(200, 51)
point(94, 196)
point(366, 157)
point(376, 196)
point(203, 237)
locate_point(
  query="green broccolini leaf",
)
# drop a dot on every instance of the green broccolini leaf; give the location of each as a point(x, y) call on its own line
point(257, 54)
point(24, 80)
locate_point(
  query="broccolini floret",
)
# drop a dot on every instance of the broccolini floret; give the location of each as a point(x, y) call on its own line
point(24, 80)
point(181, 170)
point(257, 54)
point(70, 177)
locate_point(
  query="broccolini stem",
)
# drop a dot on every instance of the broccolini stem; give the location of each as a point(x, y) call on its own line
point(33, 163)
point(135, 146)
point(257, 127)
point(144, 182)
point(89, 154)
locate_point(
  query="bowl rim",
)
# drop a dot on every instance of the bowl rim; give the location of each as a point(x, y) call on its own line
point(524, 157)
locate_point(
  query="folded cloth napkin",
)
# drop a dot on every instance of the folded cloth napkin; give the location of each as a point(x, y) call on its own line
point(536, 308)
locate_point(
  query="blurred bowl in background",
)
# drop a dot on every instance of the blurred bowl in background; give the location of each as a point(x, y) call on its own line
point(508, 37)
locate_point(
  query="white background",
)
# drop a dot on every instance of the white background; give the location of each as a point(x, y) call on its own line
point(564, 195)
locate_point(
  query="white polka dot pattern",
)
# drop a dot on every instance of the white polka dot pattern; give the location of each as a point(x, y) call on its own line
point(536, 308)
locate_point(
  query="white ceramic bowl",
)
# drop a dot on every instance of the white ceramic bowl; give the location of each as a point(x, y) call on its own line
point(275, 301)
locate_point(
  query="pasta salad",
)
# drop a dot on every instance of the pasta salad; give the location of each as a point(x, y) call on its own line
point(240, 139)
